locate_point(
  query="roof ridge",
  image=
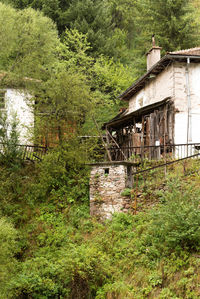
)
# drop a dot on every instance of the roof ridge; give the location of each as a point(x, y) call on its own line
point(185, 50)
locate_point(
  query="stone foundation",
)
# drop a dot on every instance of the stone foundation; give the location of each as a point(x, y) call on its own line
point(107, 182)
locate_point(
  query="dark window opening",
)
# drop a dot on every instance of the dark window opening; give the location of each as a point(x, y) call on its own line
point(106, 171)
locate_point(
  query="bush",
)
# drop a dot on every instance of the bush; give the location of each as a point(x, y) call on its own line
point(63, 178)
point(10, 153)
point(8, 264)
point(175, 225)
point(72, 272)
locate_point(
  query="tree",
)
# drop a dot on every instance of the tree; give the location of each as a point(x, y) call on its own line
point(124, 16)
point(62, 106)
point(28, 41)
point(54, 9)
point(105, 77)
point(93, 18)
point(171, 21)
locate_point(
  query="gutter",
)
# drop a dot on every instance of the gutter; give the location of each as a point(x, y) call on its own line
point(189, 123)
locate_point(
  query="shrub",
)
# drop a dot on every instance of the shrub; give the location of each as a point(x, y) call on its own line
point(8, 248)
point(63, 178)
point(175, 225)
point(10, 154)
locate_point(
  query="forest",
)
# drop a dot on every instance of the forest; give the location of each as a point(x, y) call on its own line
point(76, 57)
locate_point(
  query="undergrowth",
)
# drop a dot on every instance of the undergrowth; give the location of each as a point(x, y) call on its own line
point(52, 248)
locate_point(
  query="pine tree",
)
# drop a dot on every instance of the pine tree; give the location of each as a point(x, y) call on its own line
point(171, 21)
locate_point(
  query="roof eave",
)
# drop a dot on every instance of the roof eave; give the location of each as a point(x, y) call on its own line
point(115, 122)
point(155, 70)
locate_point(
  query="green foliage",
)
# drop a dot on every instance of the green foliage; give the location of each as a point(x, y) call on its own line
point(9, 140)
point(75, 272)
point(62, 177)
point(8, 263)
point(28, 41)
point(58, 250)
point(172, 23)
point(65, 253)
point(175, 224)
point(92, 18)
point(105, 78)
point(126, 192)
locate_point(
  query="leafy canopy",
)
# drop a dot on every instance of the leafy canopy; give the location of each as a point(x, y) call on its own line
point(28, 41)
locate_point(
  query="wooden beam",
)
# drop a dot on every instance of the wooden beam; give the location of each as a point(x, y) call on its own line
point(104, 144)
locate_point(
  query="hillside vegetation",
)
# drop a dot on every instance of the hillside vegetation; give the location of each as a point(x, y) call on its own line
point(52, 248)
point(75, 58)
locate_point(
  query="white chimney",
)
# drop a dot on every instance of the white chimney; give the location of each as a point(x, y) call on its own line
point(153, 55)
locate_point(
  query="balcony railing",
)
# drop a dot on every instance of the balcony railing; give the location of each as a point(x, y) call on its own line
point(167, 152)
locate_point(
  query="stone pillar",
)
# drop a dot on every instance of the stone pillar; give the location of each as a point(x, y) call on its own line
point(107, 182)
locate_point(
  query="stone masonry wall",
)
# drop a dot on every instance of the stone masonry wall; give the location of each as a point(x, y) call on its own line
point(107, 182)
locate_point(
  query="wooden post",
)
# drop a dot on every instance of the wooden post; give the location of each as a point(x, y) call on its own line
point(104, 144)
point(152, 139)
point(116, 144)
point(142, 143)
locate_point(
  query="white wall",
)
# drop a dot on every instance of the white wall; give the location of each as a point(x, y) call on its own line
point(157, 89)
point(181, 102)
point(18, 102)
point(172, 83)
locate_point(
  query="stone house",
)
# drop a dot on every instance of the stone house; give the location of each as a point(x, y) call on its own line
point(163, 106)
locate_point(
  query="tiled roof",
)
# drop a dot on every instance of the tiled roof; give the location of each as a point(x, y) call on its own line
point(192, 51)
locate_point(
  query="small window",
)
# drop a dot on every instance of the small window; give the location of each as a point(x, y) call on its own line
point(2, 99)
point(106, 171)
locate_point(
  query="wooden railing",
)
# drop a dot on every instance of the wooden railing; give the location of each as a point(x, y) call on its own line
point(168, 152)
point(25, 152)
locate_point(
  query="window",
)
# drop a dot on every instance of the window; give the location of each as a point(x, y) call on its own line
point(106, 171)
point(2, 99)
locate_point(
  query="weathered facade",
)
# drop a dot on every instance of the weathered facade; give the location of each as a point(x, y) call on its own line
point(107, 183)
point(164, 106)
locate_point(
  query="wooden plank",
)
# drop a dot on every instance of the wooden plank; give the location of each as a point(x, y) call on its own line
point(142, 139)
point(152, 137)
point(147, 138)
point(156, 137)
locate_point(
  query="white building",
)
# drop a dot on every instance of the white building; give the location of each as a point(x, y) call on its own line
point(163, 105)
point(16, 105)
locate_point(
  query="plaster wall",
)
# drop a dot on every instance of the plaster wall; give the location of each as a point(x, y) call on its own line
point(157, 89)
point(17, 103)
point(181, 102)
point(172, 83)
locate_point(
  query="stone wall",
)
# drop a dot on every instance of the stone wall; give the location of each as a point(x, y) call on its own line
point(107, 182)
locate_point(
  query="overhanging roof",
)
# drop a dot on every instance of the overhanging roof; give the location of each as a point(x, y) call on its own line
point(137, 114)
point(157, 69)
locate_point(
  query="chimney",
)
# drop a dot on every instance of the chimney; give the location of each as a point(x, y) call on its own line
point(153, 55)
